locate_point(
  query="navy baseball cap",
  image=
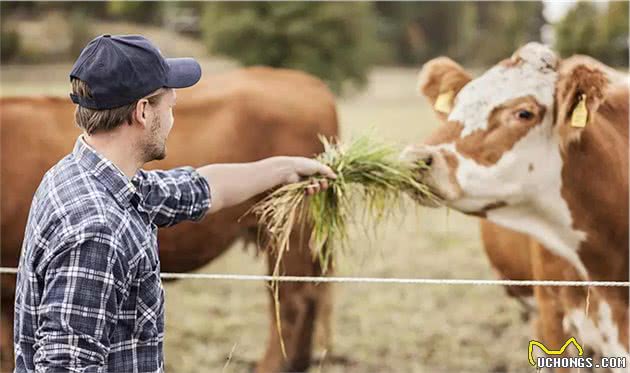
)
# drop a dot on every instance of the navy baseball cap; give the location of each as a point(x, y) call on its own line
point(121, 69)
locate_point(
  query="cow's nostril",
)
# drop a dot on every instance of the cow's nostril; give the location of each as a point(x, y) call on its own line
point(428, 160)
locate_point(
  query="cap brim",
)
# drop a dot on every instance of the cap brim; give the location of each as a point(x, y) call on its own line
point(184, 72)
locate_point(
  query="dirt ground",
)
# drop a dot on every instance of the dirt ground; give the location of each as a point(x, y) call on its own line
point(377, 328)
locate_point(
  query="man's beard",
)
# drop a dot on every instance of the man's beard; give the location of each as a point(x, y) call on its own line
point(152, 148)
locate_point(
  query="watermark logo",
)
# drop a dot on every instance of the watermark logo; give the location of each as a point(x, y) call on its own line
point(532, 343)
point(553, 360)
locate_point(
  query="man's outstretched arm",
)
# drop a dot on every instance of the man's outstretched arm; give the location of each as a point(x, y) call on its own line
point(231, 184)
point(184, 193)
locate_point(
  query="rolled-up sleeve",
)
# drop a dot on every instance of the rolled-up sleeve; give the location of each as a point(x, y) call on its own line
point(84, 285)
point(172, 196)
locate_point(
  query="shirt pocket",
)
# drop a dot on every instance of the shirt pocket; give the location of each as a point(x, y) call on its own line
point(150, 295)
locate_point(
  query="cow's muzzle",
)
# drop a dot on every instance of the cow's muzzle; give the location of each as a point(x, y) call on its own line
point(433, 170)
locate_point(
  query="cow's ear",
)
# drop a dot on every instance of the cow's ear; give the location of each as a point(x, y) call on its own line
point(439, 81)
point(580, 90)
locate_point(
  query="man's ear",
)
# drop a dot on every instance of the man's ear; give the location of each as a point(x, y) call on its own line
point(440, 80)
point(580, 90)
point(140, 112)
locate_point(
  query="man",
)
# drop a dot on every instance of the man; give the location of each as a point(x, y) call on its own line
point(89, 296)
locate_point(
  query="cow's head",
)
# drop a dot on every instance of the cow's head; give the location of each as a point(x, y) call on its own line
point(503, 132)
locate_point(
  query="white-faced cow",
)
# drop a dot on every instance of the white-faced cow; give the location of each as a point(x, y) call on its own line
point(539, 145)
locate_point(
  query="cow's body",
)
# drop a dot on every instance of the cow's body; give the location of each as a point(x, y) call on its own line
point(517, 256)
point(509, 254)
point(241, 116)
point(513, 150)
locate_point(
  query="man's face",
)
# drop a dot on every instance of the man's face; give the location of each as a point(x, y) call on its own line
point(159, 123)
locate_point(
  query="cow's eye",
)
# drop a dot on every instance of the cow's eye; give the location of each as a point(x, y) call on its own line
point(525, 114)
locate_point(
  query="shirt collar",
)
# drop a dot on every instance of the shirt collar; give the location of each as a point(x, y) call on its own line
point(106, 172)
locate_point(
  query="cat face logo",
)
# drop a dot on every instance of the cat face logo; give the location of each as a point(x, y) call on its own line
point(533, 343)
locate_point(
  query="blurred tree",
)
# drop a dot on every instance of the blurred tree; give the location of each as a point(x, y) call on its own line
point(80, 32)
point(148, 12)
point(478, 33)
point(96, 9)
point(504, 27)
point(614, 34)
point(601, 32)
point(183, 17)
point(9, 44)
point(576, 32)
point(416, 31)
point(9, 37)
point(334, 41)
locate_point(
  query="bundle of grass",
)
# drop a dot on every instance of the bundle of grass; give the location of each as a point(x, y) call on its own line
point(368, 172)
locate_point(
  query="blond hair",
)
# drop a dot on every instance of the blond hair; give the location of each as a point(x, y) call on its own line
point(93, 121)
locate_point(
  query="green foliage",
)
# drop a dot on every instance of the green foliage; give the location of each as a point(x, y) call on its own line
point(504, 27)
point(149, 12)
point(340, 41)
point(80, 32)
point(9, 44)
point(334, 41)
point(477, 33)
point(576, 33)
point(9, 37)
point(600, 33)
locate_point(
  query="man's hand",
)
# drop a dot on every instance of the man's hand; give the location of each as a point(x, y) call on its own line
point(297, 168)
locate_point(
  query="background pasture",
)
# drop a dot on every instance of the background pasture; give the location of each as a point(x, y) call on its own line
point(376, 328)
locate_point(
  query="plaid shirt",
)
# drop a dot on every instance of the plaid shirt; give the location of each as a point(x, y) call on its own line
point(89, 296)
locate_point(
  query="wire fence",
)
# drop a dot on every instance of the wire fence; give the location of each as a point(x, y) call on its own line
point(376, 280)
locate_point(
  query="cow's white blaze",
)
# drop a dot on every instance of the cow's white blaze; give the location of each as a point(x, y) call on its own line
point(533, 76)
point(610, 332)
point(602, 335)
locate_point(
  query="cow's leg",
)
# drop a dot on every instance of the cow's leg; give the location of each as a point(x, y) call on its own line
point(552, 301)
point(300, 307)
point(6, 325)
point(549, 329)
point(324, 325)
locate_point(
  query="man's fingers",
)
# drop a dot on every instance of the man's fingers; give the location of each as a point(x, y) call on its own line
point(310, 190)
point(323, 183)
point(305, 168)
point(326, 171)
point(309, 167)
point(316, 187)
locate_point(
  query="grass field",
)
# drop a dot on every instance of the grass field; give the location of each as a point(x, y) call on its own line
point(377, 328)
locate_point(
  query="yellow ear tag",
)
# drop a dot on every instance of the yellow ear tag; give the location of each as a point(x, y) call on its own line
point(444, 102)
point(580, 113)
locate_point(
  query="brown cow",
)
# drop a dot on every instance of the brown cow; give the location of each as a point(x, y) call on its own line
point(517, 256)
point(240, 116)
point(509, 255)
point(540, 145)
